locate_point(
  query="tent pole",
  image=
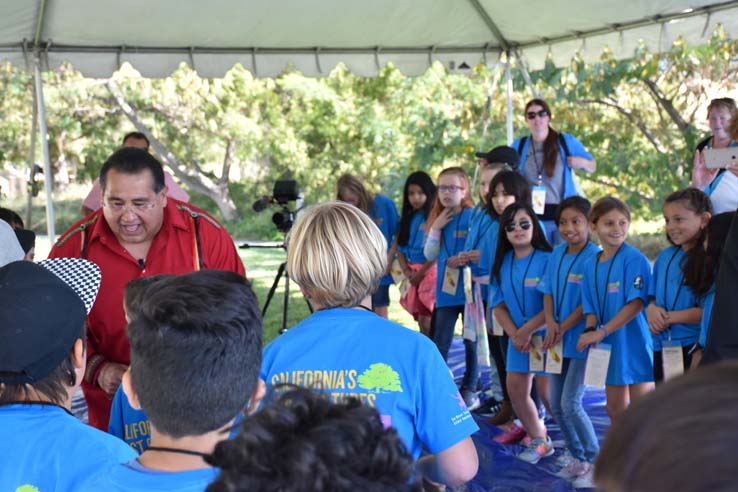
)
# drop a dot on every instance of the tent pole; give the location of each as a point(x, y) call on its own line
point(48, 177)
point(32, 157)
point(508, 76)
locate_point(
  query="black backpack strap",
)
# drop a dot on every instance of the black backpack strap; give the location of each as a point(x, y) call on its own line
point(521, 144)
point(562, 141)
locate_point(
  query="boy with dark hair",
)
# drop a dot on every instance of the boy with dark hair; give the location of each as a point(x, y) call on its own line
point(128, 423)
point(42, 360)
point(301, 442)
point(195, 358)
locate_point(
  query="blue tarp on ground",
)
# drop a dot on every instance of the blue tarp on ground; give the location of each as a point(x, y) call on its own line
point(499, 469)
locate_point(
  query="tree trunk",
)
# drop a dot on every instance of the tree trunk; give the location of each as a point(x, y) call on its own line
point(191, 176)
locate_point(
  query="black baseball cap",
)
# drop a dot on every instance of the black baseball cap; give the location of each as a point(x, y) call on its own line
point(502, 154)
point(43, 307)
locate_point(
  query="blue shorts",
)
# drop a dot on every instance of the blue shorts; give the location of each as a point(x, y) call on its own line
point(380, 298)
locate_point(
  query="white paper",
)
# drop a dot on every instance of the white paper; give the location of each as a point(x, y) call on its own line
point(595, 371)
point(673, 361)
point(555, 358)
point(497, 328)
point(535, 356)
point(450, 281)
point(468, 285)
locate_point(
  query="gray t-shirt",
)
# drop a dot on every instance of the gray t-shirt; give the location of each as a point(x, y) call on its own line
point(533, 168)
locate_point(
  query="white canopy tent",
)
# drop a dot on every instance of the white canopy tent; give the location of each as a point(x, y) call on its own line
point(96, 36)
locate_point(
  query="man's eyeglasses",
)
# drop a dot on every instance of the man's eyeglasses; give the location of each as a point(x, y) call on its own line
point(135, 207)
point(523, 224)
point(449, 189)
point(531, 115)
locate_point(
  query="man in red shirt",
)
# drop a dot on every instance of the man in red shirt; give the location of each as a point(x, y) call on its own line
point(138, 232)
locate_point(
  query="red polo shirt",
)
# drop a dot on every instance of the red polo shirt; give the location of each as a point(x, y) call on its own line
point(172, 251)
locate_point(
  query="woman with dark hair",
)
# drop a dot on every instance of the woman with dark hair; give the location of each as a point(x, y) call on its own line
point(720, 186)
point(381, 209)
point(548, 158)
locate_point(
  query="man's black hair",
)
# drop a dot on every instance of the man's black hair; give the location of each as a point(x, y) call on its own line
point(137, 136)
point(130, 160)
point(302, 442)
point(196, 351)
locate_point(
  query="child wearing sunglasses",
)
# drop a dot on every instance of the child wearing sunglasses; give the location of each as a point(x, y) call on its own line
point(507, 187)
point(614, 292)
point(548, 159)
point(447, 228)
point(562, 305)
point(520, 263)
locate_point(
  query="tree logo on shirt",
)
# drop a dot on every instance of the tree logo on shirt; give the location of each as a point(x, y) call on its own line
point(638, 282)
point(26, 488)
point(380, 378)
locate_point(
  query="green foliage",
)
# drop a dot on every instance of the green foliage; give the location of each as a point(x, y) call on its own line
point(640, 118)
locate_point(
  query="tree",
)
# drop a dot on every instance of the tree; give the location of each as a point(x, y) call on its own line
point(380, 378)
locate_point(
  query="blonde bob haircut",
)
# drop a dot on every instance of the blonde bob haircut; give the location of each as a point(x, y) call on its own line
point(336, 254)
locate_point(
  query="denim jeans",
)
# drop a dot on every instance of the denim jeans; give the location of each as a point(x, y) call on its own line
point(567, 391)
point(443, 321)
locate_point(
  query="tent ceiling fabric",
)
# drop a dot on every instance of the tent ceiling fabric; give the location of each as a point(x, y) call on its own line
point(314, 35)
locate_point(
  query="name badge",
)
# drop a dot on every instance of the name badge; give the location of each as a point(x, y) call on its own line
point(538, 196)
point(535, 356)
point(450, 281)
point(396, 272)
point(496, 326)
point(598, 360)
point(672, 359)
point(555, 358)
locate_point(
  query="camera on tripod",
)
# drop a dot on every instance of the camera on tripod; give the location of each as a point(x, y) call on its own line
point(284, 191)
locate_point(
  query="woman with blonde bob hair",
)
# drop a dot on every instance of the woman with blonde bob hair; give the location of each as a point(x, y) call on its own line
point(337, 254)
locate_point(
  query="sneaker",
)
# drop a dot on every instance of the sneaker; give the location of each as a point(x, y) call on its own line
point(527, 439)
point(564, 459)
point(540, 447)
point(585, 481)
point(512, 435)
point(471, 399)
point(503, 415)
point(574, 470)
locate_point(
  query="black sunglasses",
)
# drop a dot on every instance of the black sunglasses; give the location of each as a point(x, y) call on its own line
point(523, 224)
point(531, 115)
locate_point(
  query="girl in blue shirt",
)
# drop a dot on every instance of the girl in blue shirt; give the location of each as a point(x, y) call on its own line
point(507, 187)
point(418, 197)
point(520, 263)
point(614, 292)
point(674, 312)
point(562, 304)
point(446, 234)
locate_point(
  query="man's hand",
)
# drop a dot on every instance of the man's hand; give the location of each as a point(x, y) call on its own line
point(110, 376)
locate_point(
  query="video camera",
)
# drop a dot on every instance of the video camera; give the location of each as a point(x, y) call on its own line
point(284, 191)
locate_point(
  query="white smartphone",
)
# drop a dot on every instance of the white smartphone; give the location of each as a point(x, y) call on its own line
point(719, 158)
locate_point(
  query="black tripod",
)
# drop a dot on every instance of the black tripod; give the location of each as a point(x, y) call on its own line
point(281, 271)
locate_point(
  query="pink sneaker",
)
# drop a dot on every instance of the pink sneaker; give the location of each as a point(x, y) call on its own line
point(512, 435)
point(526, 440)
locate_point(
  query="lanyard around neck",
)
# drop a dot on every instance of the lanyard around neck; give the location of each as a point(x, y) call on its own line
point(607, 281)
point(560, 298)
point(666, 283)
point(521, 307)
